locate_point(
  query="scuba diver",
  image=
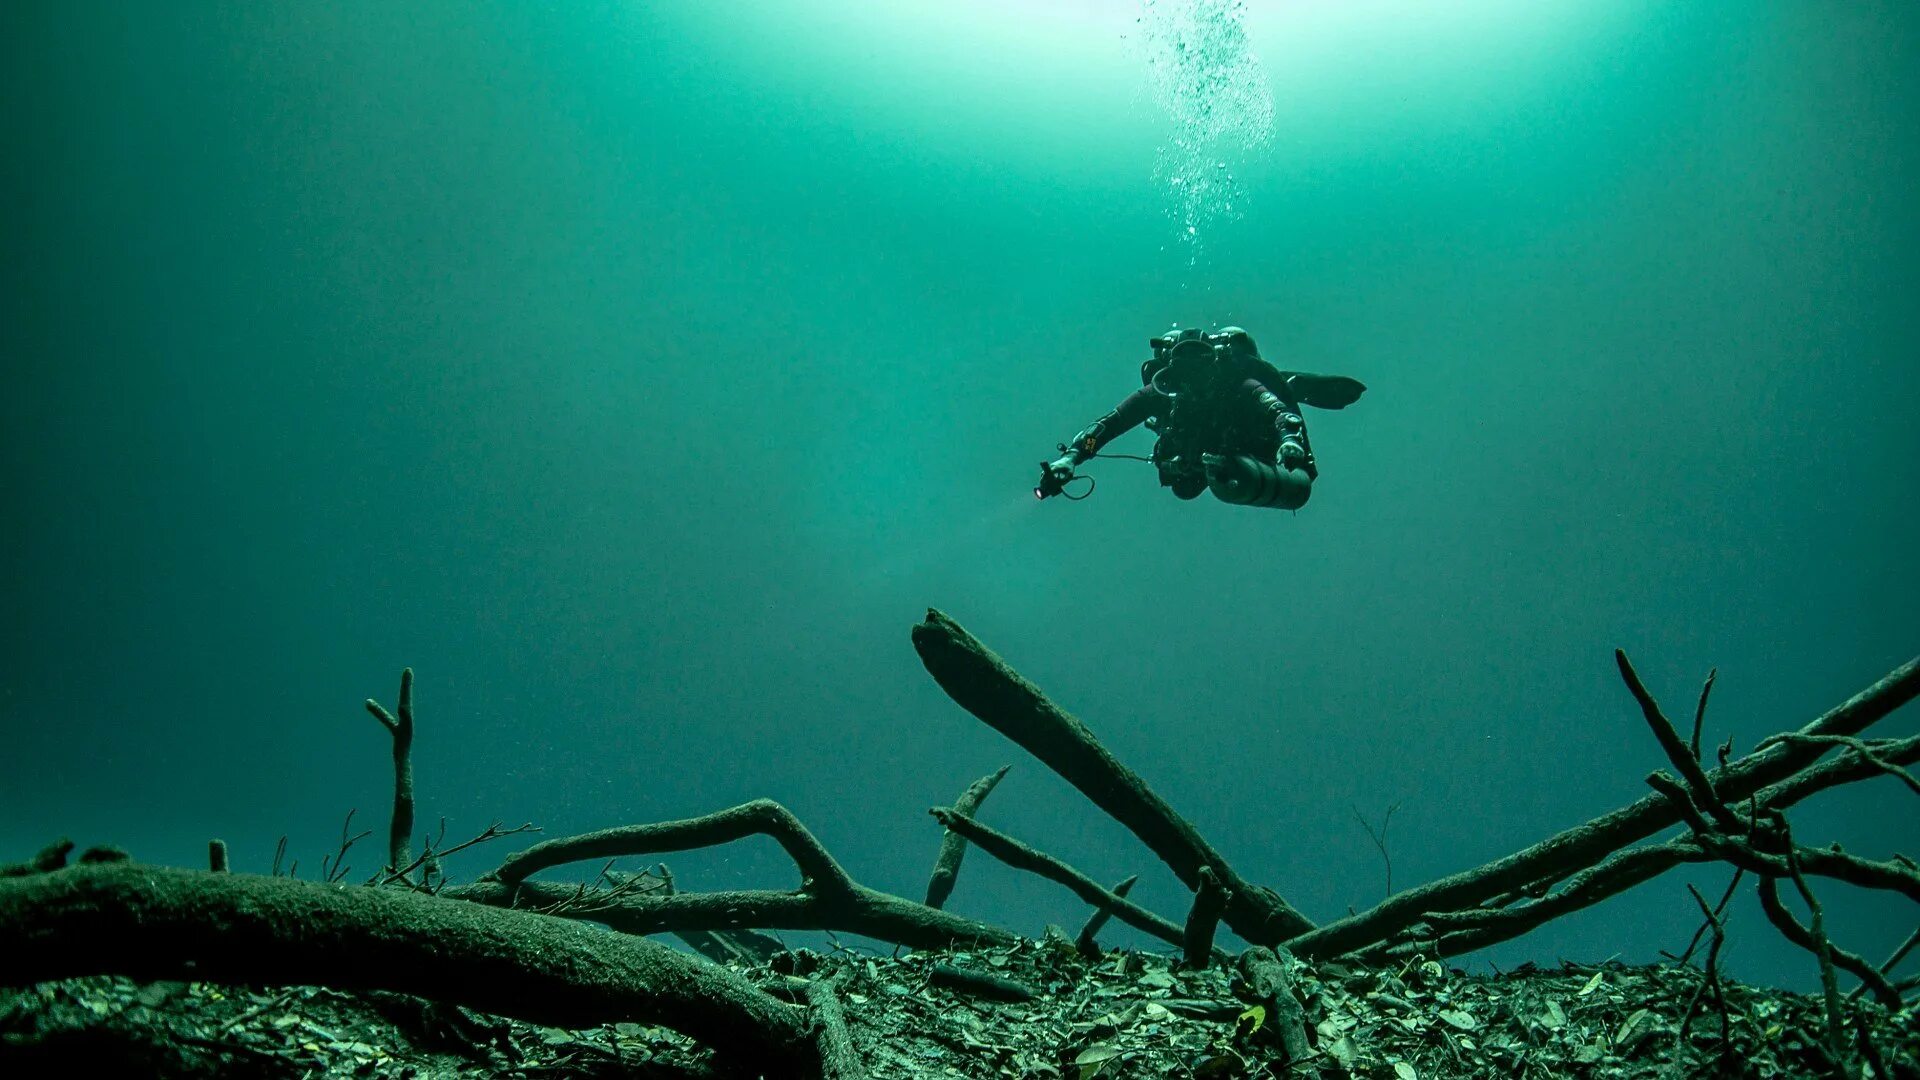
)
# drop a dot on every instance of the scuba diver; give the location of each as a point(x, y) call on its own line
point(1228, 422)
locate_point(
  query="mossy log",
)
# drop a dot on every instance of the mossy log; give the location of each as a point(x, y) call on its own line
point(157, 922)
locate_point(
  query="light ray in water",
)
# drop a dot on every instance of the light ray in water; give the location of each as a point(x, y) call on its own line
point(989, 530)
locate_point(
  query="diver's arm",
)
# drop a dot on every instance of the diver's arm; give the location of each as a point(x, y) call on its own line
point(1126, 416)
point(1287, 423)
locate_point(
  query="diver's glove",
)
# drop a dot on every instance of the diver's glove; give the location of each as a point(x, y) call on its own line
point(1216, 470)
point(1054, 476)
point(1292, 454)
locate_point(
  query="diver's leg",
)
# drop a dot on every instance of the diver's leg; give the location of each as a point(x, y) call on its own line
point(1245, 480)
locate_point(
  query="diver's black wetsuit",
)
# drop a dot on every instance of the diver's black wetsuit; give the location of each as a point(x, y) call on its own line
point(1228, 421)
point(1226, 418)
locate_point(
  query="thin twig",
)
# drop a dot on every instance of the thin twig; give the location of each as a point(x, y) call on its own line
point(332, 870)
point(1700, 714)
point(1829, 985)
point(1380, 838)
point(493, 832)
point(590, 899)
point(264, 1007)
point(1738, 873)
point(1711, 977)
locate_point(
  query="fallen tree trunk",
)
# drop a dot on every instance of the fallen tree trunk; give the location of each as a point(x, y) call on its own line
point(985, 686)
point(156, 922)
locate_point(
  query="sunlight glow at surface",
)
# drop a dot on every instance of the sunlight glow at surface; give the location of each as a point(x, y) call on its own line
point(956, 74)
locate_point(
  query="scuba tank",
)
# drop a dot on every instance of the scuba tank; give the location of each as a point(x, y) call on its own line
point(1245, 480)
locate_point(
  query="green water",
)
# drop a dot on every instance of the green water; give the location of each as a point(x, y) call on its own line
point(639, 372)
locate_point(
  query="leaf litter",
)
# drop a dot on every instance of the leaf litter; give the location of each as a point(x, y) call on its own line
point(1127, 1014)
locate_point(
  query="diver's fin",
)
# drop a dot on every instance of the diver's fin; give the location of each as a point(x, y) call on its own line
point(1325, 391)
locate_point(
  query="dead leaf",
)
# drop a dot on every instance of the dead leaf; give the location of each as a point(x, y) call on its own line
point(1251, 1020)
point(1627, 1026)
point(1097, 1054)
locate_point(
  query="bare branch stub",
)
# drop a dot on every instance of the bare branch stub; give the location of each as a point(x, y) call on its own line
point(400, 830)
point(984, 685)
point(1700, 712)
point(1209, 900)
point(1087, 941)
point(1264, 982)
point(953, 846)
point(47, 859)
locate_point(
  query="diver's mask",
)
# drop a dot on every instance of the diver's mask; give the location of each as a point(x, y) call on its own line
point(1177, 360)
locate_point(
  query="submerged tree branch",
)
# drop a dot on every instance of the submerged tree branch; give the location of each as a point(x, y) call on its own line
point(400, 828)
point(953, 846)
point(984, 685)
point(1020, 856)
point(828, 898)
point(159, 922)
point(1585, 845)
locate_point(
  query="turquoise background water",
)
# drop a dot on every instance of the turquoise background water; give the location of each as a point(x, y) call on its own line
point(638, 373)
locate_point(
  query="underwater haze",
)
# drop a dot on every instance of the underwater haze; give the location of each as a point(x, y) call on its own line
point(639, 373)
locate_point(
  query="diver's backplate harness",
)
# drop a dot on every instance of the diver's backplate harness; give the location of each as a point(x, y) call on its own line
point(1226, 420)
